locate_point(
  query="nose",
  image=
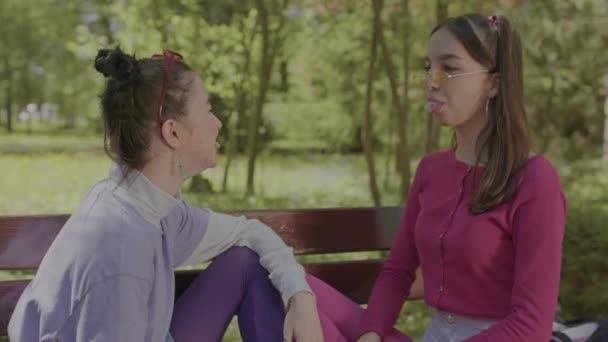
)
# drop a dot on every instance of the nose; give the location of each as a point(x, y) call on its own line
point(219, 122)
point(430, 84)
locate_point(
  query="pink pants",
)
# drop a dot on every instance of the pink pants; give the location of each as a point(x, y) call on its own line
point(340, 316)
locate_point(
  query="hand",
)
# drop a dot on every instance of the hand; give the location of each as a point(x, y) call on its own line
point(369, 337)
point(302, 322)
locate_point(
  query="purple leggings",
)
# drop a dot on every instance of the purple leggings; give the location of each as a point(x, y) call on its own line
point(234, 284)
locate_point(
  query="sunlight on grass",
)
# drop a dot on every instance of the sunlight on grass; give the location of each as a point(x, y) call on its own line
point(55, 183)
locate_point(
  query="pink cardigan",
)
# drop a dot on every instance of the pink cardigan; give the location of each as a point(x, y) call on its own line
point(503, 264)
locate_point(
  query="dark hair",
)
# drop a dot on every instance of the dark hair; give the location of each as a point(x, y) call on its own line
point(129, 102)
point(493, 43)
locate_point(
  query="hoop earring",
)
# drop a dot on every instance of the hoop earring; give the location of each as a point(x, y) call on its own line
point(487, 107)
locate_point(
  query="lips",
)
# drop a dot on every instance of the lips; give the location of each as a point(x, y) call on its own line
point(433, 105)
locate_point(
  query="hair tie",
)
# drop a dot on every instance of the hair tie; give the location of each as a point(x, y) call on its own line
point(493, 22)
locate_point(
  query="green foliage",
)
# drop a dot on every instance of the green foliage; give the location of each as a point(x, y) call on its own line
point(326, 52)
point(584, 291)
point(325, 121)
point(565, 84)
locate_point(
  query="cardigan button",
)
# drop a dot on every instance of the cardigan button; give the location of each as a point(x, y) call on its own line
point(451, 318)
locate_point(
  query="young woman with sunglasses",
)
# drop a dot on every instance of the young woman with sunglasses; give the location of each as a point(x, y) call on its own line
point(109, 274)
point(484, 220)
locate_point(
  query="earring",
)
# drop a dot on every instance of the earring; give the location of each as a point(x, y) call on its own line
point(487, 107)
point(181, 169)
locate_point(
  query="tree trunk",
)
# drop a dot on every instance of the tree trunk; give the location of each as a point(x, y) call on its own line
point(367, 132)
point(605, 156)
point(432, 125)
point(403, 124)
point(255, 121)
point(390, 153)
point(242, 104)
point(8, 95)
point(199, 183)
point(26, 94)
point(284, 76)
point(268, 53)
point(400, 104)
point(230, 149)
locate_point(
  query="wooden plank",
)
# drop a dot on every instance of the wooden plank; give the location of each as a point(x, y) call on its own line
point(25, 239)
point(317, 231)
point(9, 294)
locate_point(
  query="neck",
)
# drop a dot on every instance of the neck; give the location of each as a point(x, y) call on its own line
point(466, 138)
point(162, 171)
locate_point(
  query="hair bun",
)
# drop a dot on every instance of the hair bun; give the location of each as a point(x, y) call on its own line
point(115, 64)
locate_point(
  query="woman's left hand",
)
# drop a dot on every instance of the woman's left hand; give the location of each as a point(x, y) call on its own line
point(302, 322)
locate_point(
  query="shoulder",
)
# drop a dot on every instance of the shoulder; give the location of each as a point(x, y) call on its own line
point(110, 238)
point(538, 176)
point(184, 215)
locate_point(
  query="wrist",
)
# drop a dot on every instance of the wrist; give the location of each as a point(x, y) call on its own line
point(301, 297)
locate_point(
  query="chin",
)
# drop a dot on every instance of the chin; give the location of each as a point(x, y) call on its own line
point(441, 119)
point(444, 120)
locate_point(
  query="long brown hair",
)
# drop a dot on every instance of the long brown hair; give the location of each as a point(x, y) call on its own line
point(495, 44)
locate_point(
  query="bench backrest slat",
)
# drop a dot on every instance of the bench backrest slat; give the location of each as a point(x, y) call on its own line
point(25, 239)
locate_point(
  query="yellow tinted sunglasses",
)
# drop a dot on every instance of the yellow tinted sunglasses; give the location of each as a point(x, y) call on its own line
point(440, 76)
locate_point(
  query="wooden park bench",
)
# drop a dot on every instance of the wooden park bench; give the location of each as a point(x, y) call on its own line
point(25, 239)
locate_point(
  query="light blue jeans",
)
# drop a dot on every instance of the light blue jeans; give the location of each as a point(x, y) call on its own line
point(448, 327)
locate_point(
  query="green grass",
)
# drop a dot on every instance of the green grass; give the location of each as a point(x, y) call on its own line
point(55, 183)
point(48, 142)
point(50, 183)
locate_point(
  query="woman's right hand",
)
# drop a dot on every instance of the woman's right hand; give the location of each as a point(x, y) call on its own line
point(369, 337)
